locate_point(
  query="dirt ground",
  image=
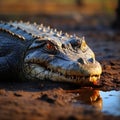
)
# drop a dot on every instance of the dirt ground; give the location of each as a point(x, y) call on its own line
point(55, 101)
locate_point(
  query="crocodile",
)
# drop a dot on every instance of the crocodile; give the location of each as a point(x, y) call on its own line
point(29, 51)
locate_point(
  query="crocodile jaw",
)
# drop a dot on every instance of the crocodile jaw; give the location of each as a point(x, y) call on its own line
point(36, 72)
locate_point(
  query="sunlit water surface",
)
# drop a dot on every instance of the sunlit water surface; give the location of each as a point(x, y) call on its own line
point(111, 102)
point(106, 102)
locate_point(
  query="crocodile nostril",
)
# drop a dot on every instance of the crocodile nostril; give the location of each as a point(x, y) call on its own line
point(80, 60)
point(91, 60)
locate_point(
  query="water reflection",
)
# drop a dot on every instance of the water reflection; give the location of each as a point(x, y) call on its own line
point(107, 102)
point(88, 96)
point(111, 102)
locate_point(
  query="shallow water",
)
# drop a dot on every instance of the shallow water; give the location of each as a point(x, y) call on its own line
point(106, 102)
point(111, 102)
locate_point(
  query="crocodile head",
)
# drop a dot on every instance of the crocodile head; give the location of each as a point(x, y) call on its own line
point(61, 60)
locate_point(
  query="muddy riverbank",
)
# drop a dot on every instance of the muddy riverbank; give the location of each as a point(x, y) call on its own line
point(64, 101)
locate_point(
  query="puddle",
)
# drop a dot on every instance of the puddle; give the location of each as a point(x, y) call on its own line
point(111, 102)
point(106, 102)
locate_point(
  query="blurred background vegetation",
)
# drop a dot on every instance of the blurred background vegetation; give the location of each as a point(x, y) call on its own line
point(66, 13)
point(57, 6)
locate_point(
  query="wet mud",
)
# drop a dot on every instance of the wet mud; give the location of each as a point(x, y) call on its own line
point(47, 100)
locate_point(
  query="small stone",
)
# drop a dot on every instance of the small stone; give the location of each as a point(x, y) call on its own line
point(17, 94)
point(46, 98)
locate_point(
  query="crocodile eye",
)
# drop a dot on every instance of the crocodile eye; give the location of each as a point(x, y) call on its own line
point(51, 48)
